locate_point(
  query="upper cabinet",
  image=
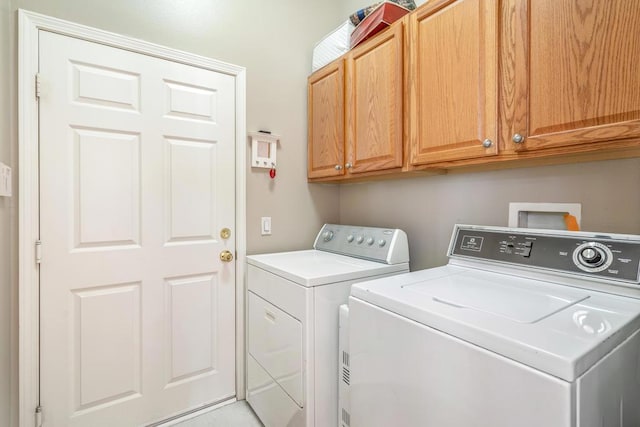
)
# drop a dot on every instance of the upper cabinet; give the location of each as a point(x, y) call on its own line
point(453, 81)
point(570, 73)
point(356, 114)
point(374, 106)
point(325, 156)
point(473, 82)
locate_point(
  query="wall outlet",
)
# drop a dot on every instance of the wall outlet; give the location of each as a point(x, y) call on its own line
point(5, 180)
point(265, 225)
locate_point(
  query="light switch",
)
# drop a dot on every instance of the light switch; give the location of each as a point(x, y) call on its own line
point(5, 180)
point(265, 222)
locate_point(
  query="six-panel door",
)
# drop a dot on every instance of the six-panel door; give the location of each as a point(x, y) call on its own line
point(137, 179)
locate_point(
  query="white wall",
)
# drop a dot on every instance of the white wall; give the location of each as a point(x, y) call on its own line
point(273, 40)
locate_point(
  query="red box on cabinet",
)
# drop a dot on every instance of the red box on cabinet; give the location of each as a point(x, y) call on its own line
point(380, 18)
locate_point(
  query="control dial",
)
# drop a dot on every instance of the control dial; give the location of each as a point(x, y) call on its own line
point(350, 238)
point(327, 235)
point(359, 239)
point(370, 241)
point(592, 257)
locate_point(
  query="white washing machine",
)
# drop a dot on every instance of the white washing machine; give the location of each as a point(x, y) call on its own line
point(522, 328)
point(293, 302)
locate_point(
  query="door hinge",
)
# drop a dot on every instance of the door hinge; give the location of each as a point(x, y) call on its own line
point(39, 416)
point(38, 85)
point(38, 254)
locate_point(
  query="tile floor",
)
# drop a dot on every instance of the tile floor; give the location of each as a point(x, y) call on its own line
point(237, 414)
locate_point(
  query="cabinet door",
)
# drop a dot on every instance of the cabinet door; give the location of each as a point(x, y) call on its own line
point(326, 121)
point(374, 108)
point(571, 72)
point(453, 81)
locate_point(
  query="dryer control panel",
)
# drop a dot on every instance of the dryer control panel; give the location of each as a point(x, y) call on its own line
point(387, 245)
point(609, 256)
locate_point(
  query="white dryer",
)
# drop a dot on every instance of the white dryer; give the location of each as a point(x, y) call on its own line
point(522, 328)
point(292, 323)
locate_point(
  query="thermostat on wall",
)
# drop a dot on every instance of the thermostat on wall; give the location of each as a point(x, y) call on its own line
point(263, 149)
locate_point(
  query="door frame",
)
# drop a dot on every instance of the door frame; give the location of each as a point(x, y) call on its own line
point(30, 24)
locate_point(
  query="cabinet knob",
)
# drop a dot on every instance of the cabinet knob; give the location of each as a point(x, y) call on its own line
point(487, 143)
point(517, 138)
point(337, 167)
point(348, 166)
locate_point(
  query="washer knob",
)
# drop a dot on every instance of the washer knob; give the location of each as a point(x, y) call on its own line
point(591, 256)
point(382, 242)
point(350, 238)
point(327, 235)
point(370, 241)
point(360, 239)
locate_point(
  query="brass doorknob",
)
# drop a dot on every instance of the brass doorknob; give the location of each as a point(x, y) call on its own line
point(226, 256)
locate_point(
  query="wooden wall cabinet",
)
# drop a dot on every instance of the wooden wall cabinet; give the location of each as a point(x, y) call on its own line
point(453, 79)
point(482, 83)
point(325, 88)
point(356, 110)
point(375, 108)
point(570, 73)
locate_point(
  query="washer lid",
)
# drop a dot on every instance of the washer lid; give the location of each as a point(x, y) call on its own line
point(557, 329)
point(518, 304)
point(313, 267)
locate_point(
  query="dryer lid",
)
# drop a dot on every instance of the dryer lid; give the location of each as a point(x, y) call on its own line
point(557, 329)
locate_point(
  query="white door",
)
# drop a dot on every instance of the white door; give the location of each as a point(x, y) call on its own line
point(137, 180)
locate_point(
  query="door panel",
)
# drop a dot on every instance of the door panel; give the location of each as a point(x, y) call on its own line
point(191, 322)
point(107, 211)
point(107, 367)
point(137, 178)
point(191, 194)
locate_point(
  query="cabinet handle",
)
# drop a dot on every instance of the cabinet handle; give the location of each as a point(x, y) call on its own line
point(348, 166)
point(517, 138)
point(487, 143)
point(337, 167)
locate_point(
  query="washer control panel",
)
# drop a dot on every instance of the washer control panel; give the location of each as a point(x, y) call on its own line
point(388, 245)
point(611, 256)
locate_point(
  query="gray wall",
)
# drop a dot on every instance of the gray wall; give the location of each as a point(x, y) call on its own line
point(8, 224)
point(273, 40)
point(427, 208)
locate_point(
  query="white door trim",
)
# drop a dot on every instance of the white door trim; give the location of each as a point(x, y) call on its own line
point(28, 205)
